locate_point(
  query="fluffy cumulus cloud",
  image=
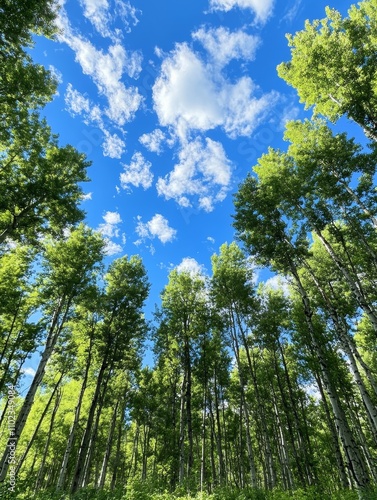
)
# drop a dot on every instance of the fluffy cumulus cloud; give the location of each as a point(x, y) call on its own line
point(223, 45)
point(157, 227)
point(191, 95)
point(106, 69)
point(185, 94)
point(243, 111)
point(112, 248)
point(153, 141)
point(191, 266)
point(109, 228)
point(138, 173)
point(203, 171)
point(261, 8)
point(113, 146)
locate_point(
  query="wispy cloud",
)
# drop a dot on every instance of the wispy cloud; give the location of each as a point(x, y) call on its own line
point(224, 45)
point(291, 12)
point(137, 173)
point(103, 14)
point(107, 70)
point(261, 8)
point(113, 146)
point(87, 196)
point(157, 227)
point(28, 371)
point(77, 104)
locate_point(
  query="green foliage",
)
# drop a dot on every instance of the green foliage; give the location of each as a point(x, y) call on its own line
point(143, 491)
point(333, 65)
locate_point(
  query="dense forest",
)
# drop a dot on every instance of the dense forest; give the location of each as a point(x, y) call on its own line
point(257, 391)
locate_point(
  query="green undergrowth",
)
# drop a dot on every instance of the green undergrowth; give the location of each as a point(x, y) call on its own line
point(144, 491)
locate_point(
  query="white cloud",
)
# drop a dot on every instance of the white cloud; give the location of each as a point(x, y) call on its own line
point(289, 113)
point(185, 94)
point(292, 12)
point(157, 227)
point(191, 266)
point(97, 11)
point(86, 196)
point(113, 146)
point(190, 95)
point(76, 102)
point(58, 75)
point(112, 248)
point(261, 8)
point(110, 228)
point(211, 240)
point(243, 111)
point(153, 141)
point(106, 71)
point(203, 171)
point(28, 371)
point(112, 218)
point(103, 16)
point(223, 45)
point(278, 283)
point(137, 173)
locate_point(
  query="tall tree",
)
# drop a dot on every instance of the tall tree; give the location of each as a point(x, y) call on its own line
point(333, 65)
point(69, 269)
point(119, 338)
point(39, 183)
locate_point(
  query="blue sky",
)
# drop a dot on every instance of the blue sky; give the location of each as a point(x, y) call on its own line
point(173, 102)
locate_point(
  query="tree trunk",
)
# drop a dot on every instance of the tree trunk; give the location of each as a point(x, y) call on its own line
point(30, 443)
point(41, 472)
point(106, 457)
point(52, 338)
point(78, 475)
point(350, 448)
point(72, 431)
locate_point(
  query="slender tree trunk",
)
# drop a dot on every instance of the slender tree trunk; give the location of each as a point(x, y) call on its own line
point(182, 431)
point(30, 443)
point(203, 432)
point(72, 431)
point(144, 468)
point(41, 472)
point(353, 283)
point(118, 449)
point(93, 432)
point(78, 475)
point(190, 453)
point(108, 447)
point(351, 451)
point(222, 474)
point(52, 338)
